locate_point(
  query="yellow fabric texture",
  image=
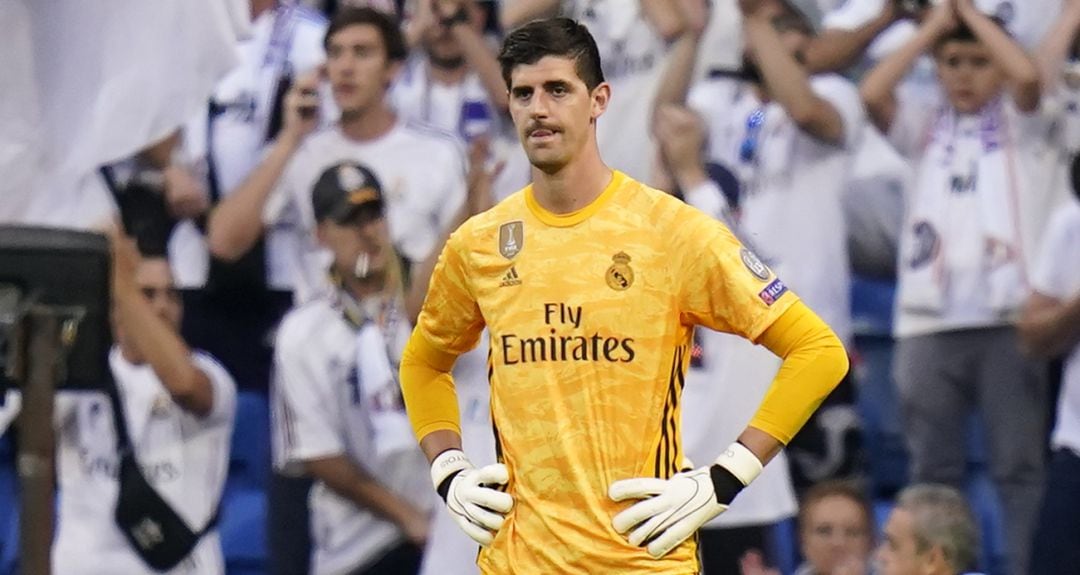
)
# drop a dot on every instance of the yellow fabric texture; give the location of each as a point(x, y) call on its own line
point(428, 388)
point(814, 363)
point(591, 318)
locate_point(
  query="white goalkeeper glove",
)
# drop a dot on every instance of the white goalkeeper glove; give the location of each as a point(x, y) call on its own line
point(673, 509)
point(477, 508)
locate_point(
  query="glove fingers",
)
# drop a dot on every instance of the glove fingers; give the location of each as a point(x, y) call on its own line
point(649, 529)
point(638, 488)
point(474, 531)
point(484, 518)
point(672, 537)
point(629, 518)
point(494, 500)
point(494, 474)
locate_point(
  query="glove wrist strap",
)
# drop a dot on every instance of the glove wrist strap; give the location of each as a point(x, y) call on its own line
point(732, 471)
point(445, 467)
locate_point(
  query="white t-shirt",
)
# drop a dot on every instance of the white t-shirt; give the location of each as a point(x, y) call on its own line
point(919, 133)
point(422, 174)
point(184, 456)
point(1057, 275)
point(632, 55)
point(319, 389)
point(286, 40)
point(463, 109)
point(791, 210)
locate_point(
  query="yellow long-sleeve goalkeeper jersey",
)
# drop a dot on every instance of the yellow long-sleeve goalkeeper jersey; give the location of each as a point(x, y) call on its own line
point(590, 317)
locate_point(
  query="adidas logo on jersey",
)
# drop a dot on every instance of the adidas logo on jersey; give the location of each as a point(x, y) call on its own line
point(511, 278)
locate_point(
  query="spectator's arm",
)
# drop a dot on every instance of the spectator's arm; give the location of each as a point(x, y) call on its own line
point(159, 154)
point(664, 18)
point(236, 223)
point(352, 482)
point(878, 88)
point(1049, 327)
point(1019, 67)
point(787, 82)
point(836, 49)
point(158, 342)
point(479, 57)
point(479, 198)
point(679, 72)
point(514, 13)
point(1054, 49)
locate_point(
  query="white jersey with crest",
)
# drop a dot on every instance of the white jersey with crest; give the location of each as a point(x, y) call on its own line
point(321, 411)
point(185, 458)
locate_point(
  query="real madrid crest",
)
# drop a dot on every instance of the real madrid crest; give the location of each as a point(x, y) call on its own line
point(620, 275)
point(511, 238)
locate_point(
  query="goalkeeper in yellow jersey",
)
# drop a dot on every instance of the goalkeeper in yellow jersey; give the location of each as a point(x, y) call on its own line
point(590, 285)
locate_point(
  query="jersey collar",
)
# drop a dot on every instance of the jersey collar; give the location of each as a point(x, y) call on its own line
point(578, 216)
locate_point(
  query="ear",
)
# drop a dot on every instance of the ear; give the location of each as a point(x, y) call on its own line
point(934, 561)
point(601, 95)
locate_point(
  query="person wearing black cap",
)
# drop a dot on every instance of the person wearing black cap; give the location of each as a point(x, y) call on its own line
point(340, 416)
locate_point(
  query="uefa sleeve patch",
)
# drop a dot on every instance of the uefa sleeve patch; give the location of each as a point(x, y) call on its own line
point(772, 292)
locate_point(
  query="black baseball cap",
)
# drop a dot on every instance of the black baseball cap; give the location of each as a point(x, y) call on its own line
point(344, 190)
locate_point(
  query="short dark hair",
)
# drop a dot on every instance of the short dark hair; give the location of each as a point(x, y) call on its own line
point(387, 25)
point(844, 488)
point(964, 33)
point(560, 37)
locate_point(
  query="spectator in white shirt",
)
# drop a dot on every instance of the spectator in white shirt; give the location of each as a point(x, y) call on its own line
point(343, 419)
point(179, 406)
point(973, 217)
point(1050, 327)
point(365, 50)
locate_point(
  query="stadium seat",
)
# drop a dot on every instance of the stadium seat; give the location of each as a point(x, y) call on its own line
point(249, 459)
point(9, 507)
point(785, 550)
point(243, 530)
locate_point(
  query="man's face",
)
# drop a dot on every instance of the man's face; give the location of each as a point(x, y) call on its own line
point(366, 237)
point(968, 74)
point(358, 68)
point(554, 111)
point(155, 281)
point(836, 533)
point(898, 553)
point(440, 45)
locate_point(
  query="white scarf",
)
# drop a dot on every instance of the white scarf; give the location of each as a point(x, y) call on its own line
point(955, 162)
point(380, 338)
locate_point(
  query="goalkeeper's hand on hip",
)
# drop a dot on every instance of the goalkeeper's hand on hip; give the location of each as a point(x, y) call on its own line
point(671, 510)
point(469, 493)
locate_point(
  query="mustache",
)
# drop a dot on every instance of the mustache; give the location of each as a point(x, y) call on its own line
point(535, 126)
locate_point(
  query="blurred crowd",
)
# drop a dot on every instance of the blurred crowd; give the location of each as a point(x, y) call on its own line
point(907, 166)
